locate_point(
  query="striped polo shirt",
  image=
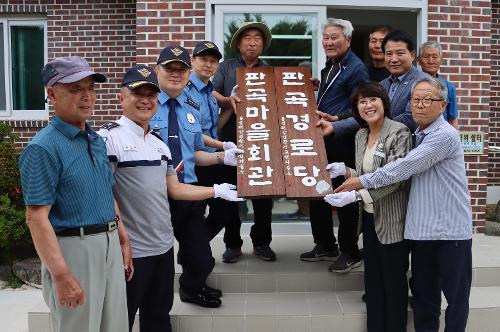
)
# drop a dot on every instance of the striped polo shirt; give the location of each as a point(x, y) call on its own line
point(68, 169)
point(439, 204)
point(141, 164)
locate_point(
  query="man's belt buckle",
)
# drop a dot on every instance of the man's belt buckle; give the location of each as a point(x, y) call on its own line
point(113, 225)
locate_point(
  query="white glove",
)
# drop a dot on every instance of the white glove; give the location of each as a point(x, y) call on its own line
point(227, 191)
point(230, 156)
point(228, 145)
point(341, 199)
point(234, 90)
point(336, 169)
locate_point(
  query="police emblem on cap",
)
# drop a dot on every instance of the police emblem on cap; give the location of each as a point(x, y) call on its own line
point(144, 72)
point(209, 45)
point(176, 51)
point(190, 118)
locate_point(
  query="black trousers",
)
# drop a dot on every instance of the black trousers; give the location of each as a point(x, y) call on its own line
point(386, 284)
point(194, 246)
point(322, 224)
point(151, 290)
point(441, 266)
point(224, 214)
point(338, 149)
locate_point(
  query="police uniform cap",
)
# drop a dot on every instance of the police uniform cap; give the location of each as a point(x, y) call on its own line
point(174, 54)
point(207, 48)
point(138, 76)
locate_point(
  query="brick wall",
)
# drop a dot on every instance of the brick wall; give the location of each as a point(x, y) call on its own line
point(464, 29)
point(494, 158)
point(101, 31)
point(161, 23)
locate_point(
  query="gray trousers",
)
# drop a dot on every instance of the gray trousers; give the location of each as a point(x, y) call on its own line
point(97, 264)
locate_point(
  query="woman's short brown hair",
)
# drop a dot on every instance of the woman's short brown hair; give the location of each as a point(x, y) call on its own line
point(369, 89)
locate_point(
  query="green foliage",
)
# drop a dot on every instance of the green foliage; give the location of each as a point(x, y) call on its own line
point(13, 229)
point(10, 183)
point(13, 282)
point(15, 238)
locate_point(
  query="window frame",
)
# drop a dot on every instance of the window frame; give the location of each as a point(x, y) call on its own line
point(10, 113)
point(318, 55)
point(213, 21)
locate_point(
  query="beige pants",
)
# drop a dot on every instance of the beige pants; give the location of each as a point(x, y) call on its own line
point(96, 262)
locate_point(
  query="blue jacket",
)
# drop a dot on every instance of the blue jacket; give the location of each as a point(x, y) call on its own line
point(335, 97)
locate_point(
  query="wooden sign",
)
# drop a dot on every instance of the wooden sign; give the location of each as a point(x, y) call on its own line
point(303, 148)
point(260, 167)
point(284, 152)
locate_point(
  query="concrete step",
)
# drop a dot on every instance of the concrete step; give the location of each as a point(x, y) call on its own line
point(312, 312)
point(295, 312)
point(291, 295)
point(289, 274)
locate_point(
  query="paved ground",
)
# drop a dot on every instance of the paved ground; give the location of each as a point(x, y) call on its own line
point(14, 307)
point(15, 303)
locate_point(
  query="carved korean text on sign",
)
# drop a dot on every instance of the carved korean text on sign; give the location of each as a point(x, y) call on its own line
point(303, 149)
point(260, 168)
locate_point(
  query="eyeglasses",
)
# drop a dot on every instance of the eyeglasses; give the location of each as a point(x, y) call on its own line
point(426, 102)
point(364, 102)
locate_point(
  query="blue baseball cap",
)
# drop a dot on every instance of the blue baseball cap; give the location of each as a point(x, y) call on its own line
point(207, 48)
point(174, 54)
point(138, 76)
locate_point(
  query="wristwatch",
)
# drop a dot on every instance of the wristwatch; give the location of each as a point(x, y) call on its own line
point(359, 198)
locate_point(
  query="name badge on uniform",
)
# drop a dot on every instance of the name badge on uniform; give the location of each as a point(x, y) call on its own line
point(130, 148)
point(190, 117)
point(379, 152)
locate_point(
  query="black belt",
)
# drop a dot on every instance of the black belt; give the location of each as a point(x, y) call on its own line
point(90, 229)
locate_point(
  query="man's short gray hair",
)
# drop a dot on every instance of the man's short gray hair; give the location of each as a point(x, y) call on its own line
point(437, 84)
point(345, 25)
point(430, 44)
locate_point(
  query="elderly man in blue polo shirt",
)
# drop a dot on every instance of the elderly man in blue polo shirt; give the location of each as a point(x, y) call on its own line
point(70, 210)
point(342, 73)
point(438, 218)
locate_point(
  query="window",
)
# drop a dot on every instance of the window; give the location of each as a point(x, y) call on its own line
point(23, 53)
point(294, 28)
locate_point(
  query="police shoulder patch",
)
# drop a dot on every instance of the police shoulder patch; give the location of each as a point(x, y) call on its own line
point(110, 125)
point(193, 104)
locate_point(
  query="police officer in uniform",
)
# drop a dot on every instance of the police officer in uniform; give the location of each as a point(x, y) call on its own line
point(142, 166)
point(205, 60)
point(178, 123)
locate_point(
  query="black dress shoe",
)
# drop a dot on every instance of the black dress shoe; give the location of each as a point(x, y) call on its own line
point(199, 299)
point(211, 292)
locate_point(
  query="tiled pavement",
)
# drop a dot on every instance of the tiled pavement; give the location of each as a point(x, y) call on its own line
point(290, 295)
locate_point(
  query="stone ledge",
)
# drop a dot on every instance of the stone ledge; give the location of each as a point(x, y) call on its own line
point(492, 228)
point(29, 271)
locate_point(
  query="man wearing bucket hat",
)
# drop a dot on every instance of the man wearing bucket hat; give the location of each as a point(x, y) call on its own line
point(70, 210)
point(142, 166)
point(178, 123)
point(250, 40)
